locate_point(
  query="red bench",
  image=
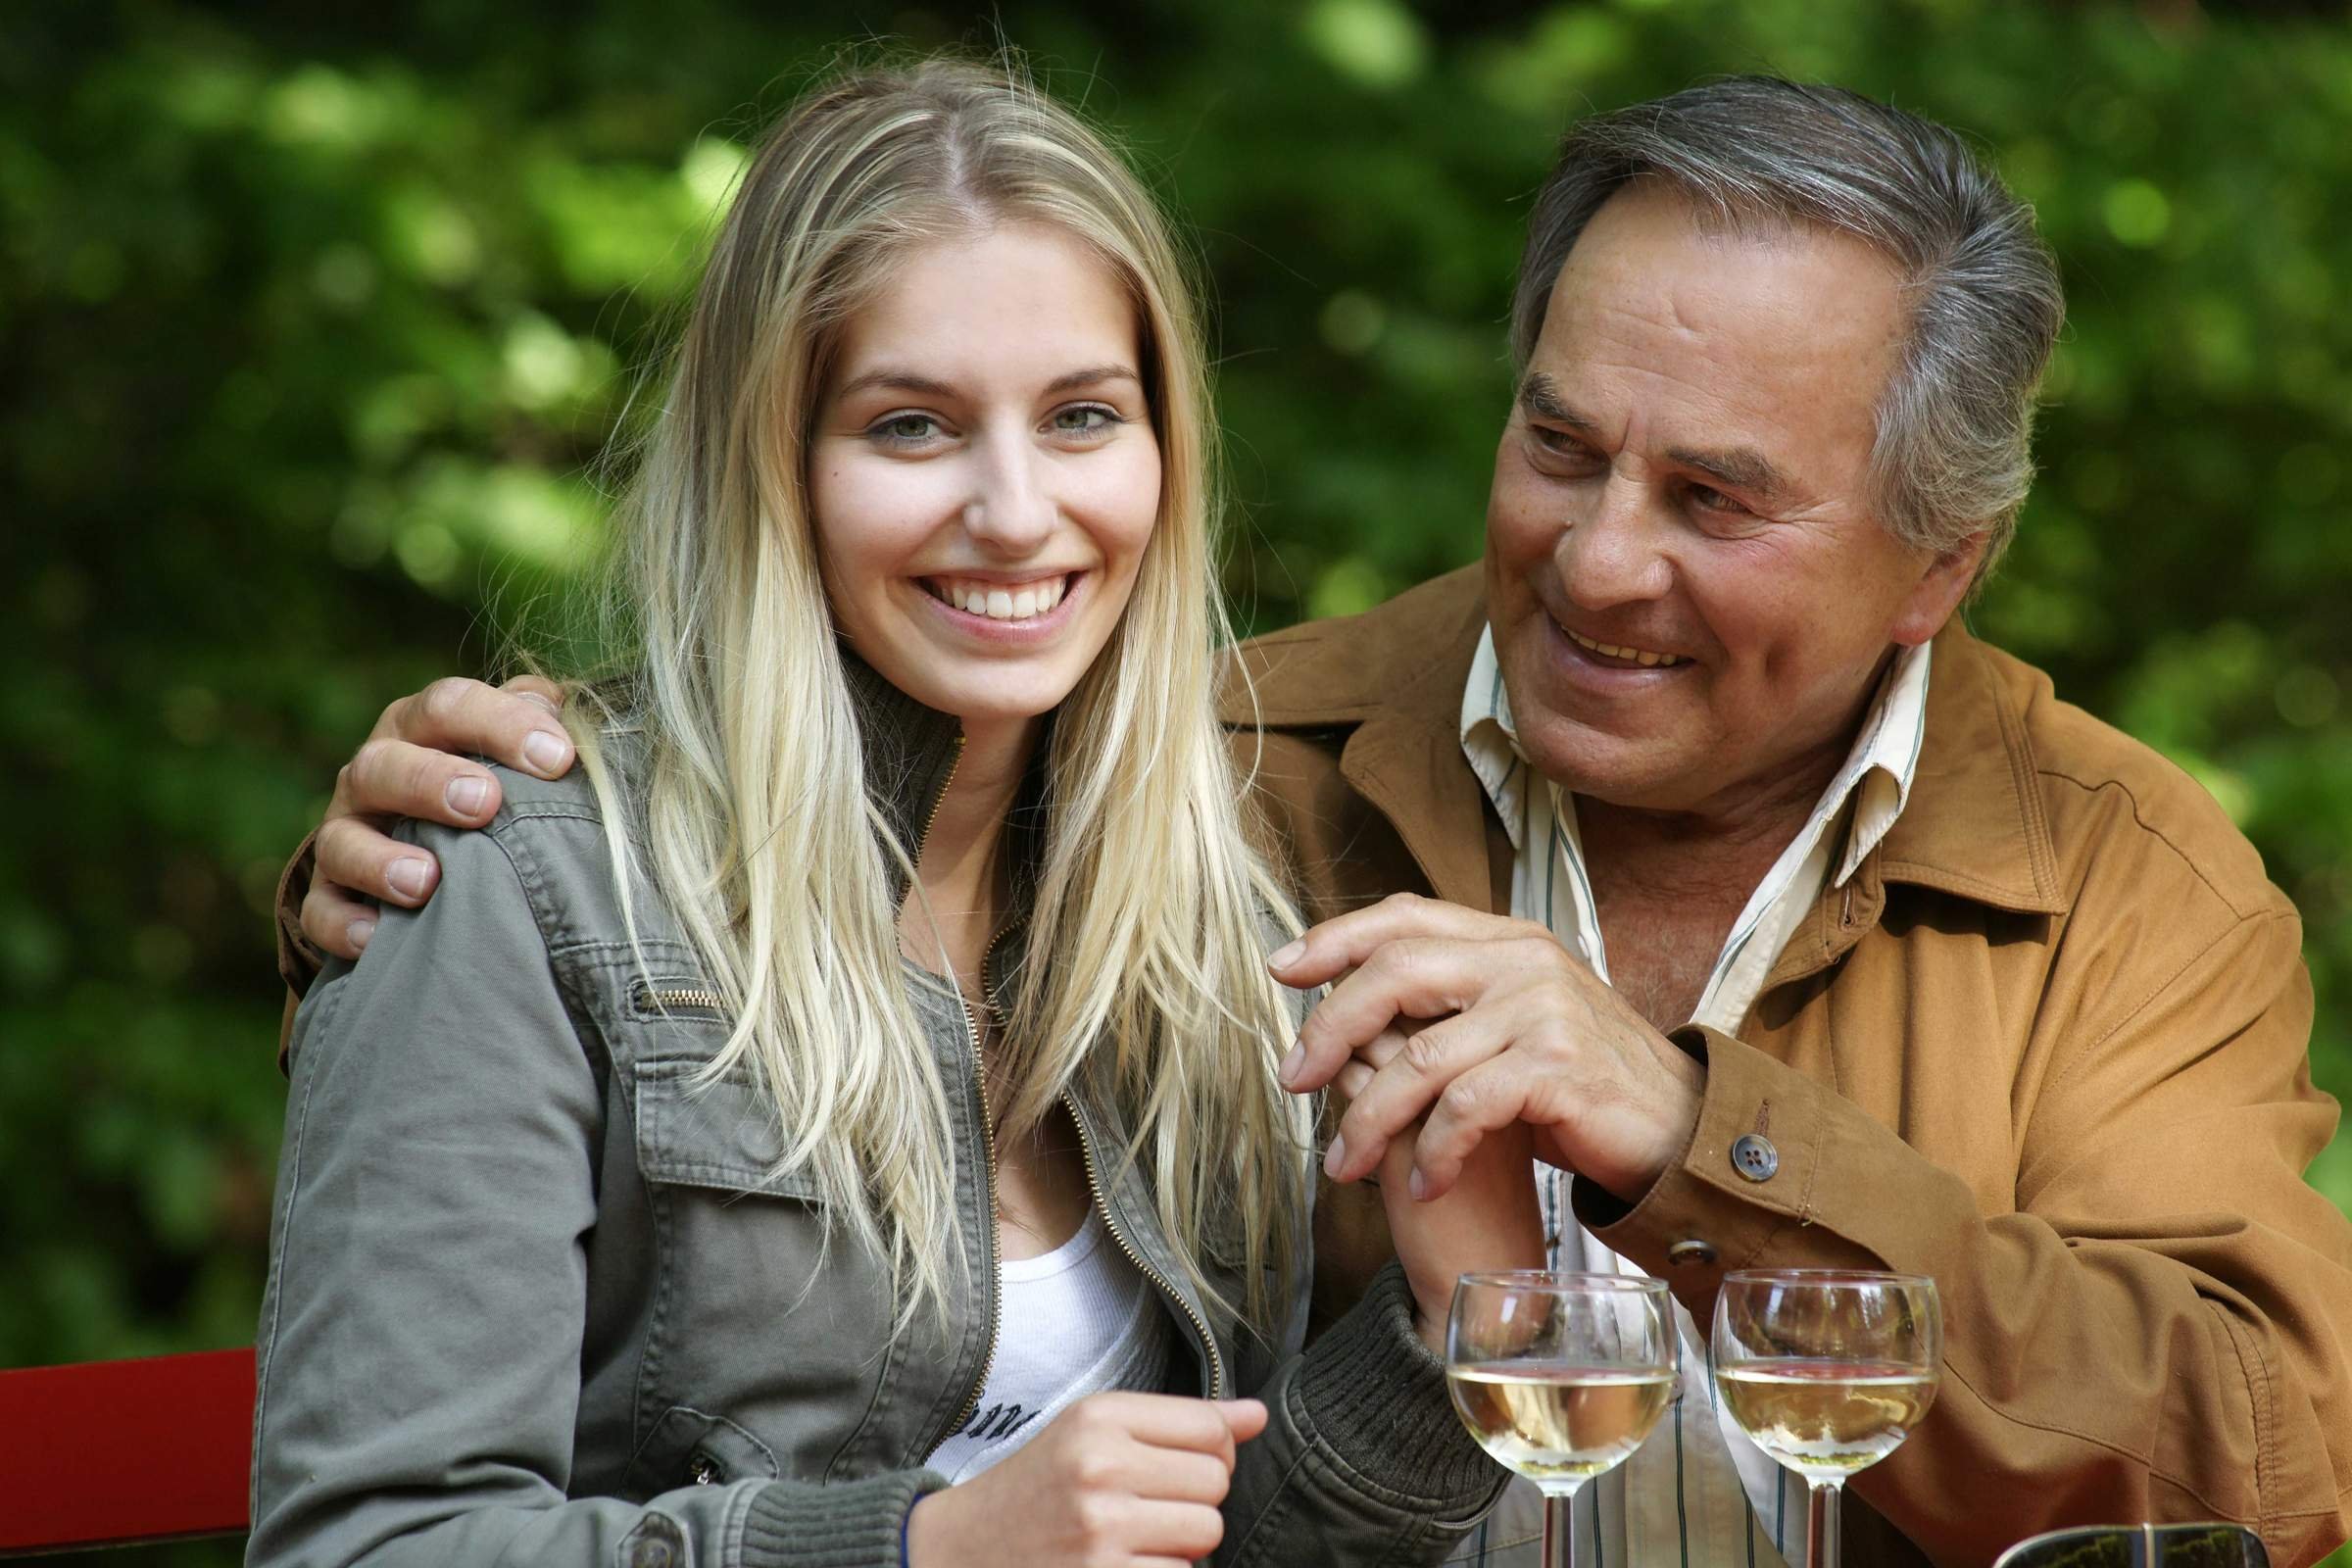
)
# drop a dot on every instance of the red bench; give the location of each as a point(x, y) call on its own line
point(111, 1454)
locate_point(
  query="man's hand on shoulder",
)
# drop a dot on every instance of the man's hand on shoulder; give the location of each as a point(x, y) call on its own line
point(412, 767)
point(1520, 1032)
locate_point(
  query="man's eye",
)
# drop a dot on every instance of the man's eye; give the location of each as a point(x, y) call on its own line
point(1709, 499)
point(1560, 444)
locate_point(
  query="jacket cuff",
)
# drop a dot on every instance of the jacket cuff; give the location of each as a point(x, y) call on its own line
point(1747, 1179)
point(1370, 1390)
point(298, 962)
point(857, 1524)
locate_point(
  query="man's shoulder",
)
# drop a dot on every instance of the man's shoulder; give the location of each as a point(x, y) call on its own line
point(2115, 804)
point(1343, 669)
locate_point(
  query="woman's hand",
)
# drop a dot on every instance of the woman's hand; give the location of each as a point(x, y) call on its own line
point(1488, 1220)
point(1116, 1481)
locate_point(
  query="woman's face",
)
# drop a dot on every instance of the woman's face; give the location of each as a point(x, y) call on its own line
point(984, 474)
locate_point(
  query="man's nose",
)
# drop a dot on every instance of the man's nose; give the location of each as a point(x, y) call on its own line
point(1012, 507)
point(1614, 554)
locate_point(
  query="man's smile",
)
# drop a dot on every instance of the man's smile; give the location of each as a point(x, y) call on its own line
point(1629, 657)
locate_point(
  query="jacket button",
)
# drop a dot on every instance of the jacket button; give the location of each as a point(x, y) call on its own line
point(1682, 1254)
point(655, 1543)
point(1754, 1157)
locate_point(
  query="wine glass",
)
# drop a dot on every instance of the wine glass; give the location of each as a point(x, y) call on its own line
point(1559, 1377)
point(1828, 1371)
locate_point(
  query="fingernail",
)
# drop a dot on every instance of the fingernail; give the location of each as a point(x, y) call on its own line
point(1287, 1072)
point(546, 753)
point(534, 697)
point(359, 931)
point(1335, 1156)
point(465, 795)
point(412, 877)
point(1417, 1184)
point(1286, 957)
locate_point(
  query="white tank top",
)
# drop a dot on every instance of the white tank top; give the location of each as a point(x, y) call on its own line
point(1078, 1320)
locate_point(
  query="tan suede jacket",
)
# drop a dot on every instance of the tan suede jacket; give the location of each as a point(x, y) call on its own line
point(2048, 1046)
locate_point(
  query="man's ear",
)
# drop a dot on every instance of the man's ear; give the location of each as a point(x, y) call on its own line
point(1938, 591)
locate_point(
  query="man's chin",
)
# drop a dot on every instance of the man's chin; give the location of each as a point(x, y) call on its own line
point(1640, 774)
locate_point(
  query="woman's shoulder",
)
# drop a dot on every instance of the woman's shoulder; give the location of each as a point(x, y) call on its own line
point(562, 855)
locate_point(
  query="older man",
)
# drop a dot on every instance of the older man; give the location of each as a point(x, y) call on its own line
point(1803, 927)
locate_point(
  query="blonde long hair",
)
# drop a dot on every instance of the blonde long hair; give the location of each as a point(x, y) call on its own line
point(1149, 909)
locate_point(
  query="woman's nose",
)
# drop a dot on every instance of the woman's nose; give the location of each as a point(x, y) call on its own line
point(1013, 508)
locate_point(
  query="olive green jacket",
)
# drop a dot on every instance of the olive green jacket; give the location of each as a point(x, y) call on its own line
point(535, 1297)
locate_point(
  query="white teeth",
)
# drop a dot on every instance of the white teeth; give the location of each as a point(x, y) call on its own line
point(1640, 656)
point(998, 603)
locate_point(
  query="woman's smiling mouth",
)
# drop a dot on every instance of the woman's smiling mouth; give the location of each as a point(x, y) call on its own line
point(999, 600)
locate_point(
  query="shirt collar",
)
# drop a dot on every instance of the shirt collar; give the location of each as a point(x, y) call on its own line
point(1877, 774)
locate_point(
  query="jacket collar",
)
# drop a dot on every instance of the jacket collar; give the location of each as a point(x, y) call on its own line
point(1393, 677)
point(910, 753)
point(1975, 826)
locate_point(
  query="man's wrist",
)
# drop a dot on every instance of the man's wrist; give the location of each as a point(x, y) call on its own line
point(1677, 1120)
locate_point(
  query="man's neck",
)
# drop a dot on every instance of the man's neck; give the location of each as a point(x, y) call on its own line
point(1715, 853)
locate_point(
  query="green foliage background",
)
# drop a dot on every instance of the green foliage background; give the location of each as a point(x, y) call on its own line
point(314, 317)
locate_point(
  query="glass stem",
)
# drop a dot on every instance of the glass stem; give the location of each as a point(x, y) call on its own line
point(1559, 1528)
point(1821, 1524)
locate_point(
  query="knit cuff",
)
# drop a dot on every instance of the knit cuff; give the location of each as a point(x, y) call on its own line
point(1372, 1392)
point(854, 1524)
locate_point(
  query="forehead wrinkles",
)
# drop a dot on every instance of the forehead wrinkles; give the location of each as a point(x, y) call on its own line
point(1641, 378)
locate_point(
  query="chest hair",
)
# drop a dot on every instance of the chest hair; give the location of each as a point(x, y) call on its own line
point(1661, 953)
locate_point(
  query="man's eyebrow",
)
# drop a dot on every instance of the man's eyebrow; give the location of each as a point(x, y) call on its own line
point(904, 381)
point(1540, 396)
point(1742, 469)
point(1737, 468)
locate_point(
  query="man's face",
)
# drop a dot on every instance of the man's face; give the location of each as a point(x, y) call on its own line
point(1690, 588)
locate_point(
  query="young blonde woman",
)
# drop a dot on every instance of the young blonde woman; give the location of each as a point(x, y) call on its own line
point(861, 1077)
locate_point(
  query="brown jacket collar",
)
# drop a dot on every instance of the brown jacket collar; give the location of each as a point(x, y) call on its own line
point(1392, 678)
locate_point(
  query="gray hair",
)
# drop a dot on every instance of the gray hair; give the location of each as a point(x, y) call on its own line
point(1953, 450)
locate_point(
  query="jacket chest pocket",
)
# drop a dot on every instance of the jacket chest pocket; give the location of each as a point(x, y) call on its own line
point(761, 1310)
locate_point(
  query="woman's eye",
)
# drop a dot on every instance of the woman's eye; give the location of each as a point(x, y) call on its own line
point(1085, 419)
point(905, 429)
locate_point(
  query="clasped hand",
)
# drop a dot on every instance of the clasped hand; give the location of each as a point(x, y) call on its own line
point(1469, 1024)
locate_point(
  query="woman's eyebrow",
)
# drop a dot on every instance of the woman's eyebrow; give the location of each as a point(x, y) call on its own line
point(898, 381)
point(1094, 375)
point(904, 381)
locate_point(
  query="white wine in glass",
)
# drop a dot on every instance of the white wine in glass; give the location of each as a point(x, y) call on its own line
point(1559, 1377)
point(1828, 1372)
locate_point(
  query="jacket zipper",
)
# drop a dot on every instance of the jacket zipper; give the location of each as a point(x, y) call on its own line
point(988, 1135)
point(1094, 1186)
point(996, 1256)
point(682, 998)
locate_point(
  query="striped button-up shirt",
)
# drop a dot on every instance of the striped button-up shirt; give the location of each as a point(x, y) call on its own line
point(1697, 1492)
